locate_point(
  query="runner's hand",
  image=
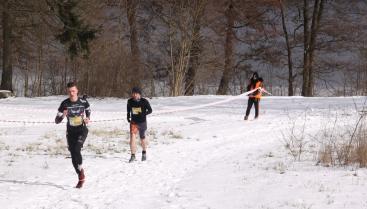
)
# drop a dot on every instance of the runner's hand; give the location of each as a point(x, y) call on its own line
point(65, 113)
point(86, 120)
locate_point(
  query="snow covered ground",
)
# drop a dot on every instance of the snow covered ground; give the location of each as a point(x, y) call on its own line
point(203, 158)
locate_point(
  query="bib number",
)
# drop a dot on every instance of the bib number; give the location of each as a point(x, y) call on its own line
point(136, 110)
point(76, 121)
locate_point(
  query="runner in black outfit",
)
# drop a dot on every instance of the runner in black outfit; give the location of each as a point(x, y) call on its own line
point(77, 111)
point(137, 110)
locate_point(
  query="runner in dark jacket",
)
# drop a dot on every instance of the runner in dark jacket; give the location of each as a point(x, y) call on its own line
point(77, 111)
point(137, 110)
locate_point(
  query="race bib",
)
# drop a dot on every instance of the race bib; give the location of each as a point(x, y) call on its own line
point(76, 121)
point(136, 110)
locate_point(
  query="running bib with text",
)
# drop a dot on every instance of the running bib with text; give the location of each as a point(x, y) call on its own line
point(136, 110)
point(76, 120)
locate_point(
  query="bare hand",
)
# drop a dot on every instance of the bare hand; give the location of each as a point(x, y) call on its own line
point(65, 113)
point(86, 120)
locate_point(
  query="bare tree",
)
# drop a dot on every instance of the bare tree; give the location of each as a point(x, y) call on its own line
point(131, 7)
point(310, 35)
point(196, 48)
point(291, 76)
point(228, 63)
point(180, 19)
point(7, 74)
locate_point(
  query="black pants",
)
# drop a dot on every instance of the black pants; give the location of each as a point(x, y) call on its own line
point(253, 101)
point(76, 137)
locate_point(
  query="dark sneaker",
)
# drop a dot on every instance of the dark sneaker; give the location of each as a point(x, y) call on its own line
point(144, 157)
point(132, 159)
point(246, 117)
point(81, 179)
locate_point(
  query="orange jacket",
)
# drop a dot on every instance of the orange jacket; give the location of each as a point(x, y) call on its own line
point(256, 94)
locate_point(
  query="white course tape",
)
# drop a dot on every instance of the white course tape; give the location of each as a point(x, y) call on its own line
point(204, 105)
point(159, 112)
point(266, 92)
point(38, 110)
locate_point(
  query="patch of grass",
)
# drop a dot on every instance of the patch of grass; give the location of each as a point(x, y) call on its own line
point(110, 147)
point(105, 133)
point(3, 146)
point(105, 141)
point(173, 135)
point(345, 149)
point(294, 139)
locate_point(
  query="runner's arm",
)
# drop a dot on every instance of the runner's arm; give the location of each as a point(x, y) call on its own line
point(148, 107)
point(61, 112)
point(128, 111)
point(87, 110)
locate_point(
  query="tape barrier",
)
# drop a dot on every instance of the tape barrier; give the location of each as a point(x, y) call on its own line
point(155, 113)
point(37, 110)
point(159, 112)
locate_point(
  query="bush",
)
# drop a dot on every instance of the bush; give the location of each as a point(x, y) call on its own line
point(347, 148)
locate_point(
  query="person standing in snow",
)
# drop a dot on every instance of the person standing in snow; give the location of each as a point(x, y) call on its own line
point(77, 111)
point(254, 99)
point(137, 110)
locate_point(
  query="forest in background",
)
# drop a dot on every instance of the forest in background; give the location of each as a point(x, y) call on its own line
point(183, 47)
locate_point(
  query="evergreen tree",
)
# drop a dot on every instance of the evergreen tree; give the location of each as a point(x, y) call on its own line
point(75, 34)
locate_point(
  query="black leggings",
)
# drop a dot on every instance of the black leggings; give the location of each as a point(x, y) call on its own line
point(253, 101)
point(76, 139)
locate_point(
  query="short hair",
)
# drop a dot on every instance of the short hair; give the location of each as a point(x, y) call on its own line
point(70, 84)
point(136, 90)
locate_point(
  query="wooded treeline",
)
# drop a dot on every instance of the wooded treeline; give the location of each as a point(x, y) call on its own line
point(183, 47)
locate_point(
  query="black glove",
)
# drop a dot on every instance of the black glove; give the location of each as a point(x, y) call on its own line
point(128, 119)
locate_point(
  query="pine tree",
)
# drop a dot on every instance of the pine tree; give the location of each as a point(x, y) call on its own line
point(76, 35)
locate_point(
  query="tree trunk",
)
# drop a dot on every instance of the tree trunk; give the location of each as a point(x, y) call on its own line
point(26, 79)
point(40, 34)
point(7, 74)
point(193, 62)
point(195, 49)
point(289, 51)
point(316, 18)
point(64, 75)
point(309, 45)
point(228, 62)
point(306, 75)
point(131, 6)
point(40, 68)
point(180, 67)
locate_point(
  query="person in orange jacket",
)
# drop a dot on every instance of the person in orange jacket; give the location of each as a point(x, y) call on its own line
point(254, 98)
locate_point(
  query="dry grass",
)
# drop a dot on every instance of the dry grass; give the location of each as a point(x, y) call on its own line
point(343, 154)
point(341, 141)
point(294, 138)
point(346, 148)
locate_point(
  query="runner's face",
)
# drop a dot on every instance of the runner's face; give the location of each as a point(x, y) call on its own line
point(136, 96)
point(73, 92)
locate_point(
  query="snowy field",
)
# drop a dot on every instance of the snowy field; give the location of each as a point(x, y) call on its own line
point(203, 158)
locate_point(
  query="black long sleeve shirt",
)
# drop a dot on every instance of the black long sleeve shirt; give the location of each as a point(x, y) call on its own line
point(137, 110)
point(77, 111)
